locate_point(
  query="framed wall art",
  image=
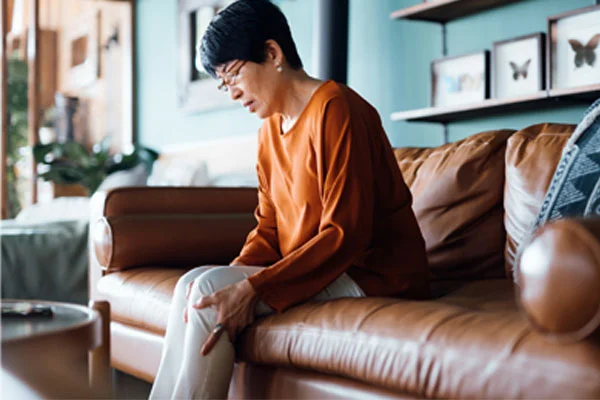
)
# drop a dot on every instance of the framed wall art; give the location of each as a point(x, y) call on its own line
point(83, 48)
point(518, 66)
point(197, 91)
point(573, 48)
point(460, 80)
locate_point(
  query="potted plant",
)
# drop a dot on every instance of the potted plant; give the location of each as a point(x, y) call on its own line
point(70, 163)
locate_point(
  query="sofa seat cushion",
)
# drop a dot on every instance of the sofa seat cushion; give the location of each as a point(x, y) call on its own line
point(473, 343)
point(141, 297)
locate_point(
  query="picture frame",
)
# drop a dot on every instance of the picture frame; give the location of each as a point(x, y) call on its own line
point(196, 90)
point(518, 66)
point(459, 80)
point(574, 49)
point(83, 50)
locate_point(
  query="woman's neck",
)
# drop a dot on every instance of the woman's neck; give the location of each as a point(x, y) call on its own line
point(299, 88)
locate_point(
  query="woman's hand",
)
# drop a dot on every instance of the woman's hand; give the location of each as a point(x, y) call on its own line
point(235, 310)
point(188, 291)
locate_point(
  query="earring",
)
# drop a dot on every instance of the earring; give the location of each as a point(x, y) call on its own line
point(279, 68)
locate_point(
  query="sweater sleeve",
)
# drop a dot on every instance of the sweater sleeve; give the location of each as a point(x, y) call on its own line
point(345, 183)
point(261, 247)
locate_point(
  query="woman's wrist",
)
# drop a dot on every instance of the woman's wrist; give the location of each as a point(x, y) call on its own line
point(249, 290)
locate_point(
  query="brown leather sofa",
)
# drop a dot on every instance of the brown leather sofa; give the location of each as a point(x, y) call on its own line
point(481, 336)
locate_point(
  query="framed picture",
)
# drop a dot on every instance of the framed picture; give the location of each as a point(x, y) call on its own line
point(197, 91)
point(518, 66)
point(83, 50)
point(573, 48)
point(460, 80)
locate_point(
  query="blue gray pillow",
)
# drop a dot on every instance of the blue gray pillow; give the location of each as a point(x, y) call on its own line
point(575, 187)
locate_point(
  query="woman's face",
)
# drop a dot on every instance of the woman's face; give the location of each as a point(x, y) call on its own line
point(254, 85)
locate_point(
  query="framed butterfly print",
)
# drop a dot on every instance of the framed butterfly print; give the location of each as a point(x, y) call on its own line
point(518, 66)
point(574, 49)
point(460, 80)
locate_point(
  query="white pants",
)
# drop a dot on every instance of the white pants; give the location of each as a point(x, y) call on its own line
point(183, 372)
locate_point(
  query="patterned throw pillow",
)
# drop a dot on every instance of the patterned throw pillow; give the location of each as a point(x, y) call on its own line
point(575, 187)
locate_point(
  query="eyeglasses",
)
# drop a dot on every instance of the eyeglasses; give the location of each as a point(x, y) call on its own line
point(230, 77)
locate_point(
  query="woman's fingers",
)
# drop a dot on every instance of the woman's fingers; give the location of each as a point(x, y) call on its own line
point(211, 341)
point(205, 301)
point(185, 314)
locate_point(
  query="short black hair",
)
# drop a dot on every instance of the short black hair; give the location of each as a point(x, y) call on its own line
point(239, 32)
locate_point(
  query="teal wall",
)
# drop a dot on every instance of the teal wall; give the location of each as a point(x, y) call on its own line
point(388, 64)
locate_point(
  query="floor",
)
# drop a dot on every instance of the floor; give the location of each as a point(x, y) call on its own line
point(128, 387)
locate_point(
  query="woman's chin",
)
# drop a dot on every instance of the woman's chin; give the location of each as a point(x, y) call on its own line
point(261, 113)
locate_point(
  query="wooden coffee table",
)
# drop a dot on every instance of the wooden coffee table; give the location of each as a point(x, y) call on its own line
point(63, 355)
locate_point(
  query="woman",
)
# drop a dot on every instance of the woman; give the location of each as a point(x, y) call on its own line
point(334, 214)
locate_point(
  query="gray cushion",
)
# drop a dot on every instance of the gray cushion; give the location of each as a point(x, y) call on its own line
point(575, 187)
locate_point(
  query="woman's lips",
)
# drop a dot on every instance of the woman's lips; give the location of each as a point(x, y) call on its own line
point(249, 105)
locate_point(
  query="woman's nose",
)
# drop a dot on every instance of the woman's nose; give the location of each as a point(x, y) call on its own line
point(235, 93)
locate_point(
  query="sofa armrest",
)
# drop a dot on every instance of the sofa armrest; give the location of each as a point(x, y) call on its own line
point(175, 200)
point(170, 240)
point(167, 226)
point(95, 271)
point(559, 279)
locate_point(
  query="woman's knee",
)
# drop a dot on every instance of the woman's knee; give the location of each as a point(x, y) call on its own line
point(212, 280)
point(190, 276)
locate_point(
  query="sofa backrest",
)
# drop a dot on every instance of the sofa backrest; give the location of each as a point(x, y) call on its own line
point(532, 155)
point(457, 198)
point(476, 200)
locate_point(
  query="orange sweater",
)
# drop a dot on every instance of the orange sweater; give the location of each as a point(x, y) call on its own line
point(332, 200)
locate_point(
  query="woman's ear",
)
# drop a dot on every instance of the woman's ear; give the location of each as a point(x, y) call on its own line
point(273, 52)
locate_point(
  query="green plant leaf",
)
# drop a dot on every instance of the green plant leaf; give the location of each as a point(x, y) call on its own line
point(76, 153)
point(122, 162)
point(40, 151)
point(147, 157)
point(16, 117)
point(63, 175)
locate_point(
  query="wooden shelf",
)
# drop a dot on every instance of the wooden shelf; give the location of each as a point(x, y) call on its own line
point(446, 10)
point(591, 92)
point(491, 107)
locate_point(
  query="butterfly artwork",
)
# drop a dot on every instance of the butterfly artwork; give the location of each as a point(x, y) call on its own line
point(520, 70)
point(470, 82)
point(452, 84)
point(585, 54)
point(462, 83)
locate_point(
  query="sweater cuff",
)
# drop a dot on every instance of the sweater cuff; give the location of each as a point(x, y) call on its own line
point(259, 282)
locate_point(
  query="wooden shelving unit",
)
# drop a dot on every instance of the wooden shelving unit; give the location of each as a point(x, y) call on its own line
point(490, 107)
point(447, 10)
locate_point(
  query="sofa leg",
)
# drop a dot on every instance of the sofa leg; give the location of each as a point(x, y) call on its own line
point(99, 359)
